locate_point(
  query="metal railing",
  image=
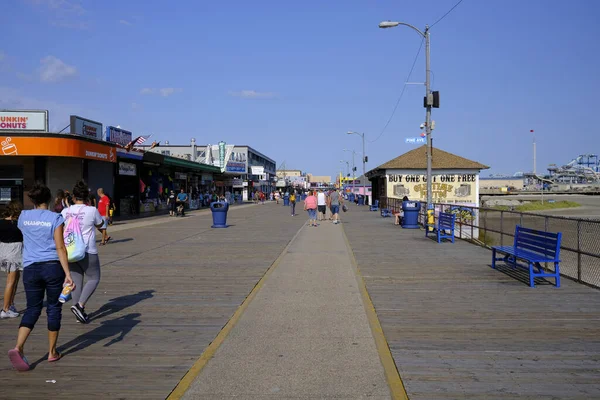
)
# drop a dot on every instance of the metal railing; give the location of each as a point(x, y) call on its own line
point(580, 246)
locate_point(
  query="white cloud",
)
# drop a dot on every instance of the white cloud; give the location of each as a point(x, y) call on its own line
point(253, 94)
point(65, 6)
point(62, 13)
point(54, 70)
point(125, 22)
point(164, 92)
point(78, 25)
point(58, 112)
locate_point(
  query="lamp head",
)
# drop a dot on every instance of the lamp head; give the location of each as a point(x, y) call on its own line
point(388, 24)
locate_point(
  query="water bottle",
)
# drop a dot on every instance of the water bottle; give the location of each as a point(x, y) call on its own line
point(66, 294)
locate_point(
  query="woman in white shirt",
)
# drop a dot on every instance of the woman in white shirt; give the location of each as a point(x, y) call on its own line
point(89, 219)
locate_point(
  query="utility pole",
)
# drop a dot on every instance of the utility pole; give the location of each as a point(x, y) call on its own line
point(353, 171)
point(429, 103)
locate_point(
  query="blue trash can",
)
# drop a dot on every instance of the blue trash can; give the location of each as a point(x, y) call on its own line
point(219, 214)
point(303, 196)
point(286, 200)
point(351, 197)
point(361, 200)
point(411, 214)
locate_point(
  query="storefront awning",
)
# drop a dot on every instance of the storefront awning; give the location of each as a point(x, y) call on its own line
point(56, 145)
point(194, 166)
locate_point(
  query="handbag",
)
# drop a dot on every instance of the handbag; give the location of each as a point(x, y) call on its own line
point(344, 208)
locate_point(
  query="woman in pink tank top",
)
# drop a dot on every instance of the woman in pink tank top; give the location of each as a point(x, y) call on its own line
point(310, 205)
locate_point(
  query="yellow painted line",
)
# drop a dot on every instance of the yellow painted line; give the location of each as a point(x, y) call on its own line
point(390, 369)
point(187, 380)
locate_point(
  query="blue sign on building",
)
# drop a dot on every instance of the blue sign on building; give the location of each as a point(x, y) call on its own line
point(118, 135)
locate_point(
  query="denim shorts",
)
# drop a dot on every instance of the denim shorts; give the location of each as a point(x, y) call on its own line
point(312, 213)
point(335, 209)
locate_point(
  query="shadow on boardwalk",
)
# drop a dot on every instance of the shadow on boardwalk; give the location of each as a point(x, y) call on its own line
point(120, 303)
point(459, 329)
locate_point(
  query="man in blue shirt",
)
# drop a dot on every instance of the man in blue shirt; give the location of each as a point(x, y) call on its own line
point(182, 198)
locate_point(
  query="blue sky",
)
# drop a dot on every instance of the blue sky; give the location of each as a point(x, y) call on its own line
point(291, 78)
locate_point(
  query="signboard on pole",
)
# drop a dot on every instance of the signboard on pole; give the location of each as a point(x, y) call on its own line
point(86, 127)
point(118, 136)
point(24, 121)
point(222, 155)
point(415, 140)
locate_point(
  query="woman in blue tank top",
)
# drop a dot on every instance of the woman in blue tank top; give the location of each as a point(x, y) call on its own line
point(45, 272)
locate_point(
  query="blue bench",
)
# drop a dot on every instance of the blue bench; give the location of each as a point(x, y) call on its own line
point(374, 207)
point(534, 247)
point(445, 223)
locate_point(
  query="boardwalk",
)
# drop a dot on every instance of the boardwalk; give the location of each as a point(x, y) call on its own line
point(456, 328)
point(460, 330)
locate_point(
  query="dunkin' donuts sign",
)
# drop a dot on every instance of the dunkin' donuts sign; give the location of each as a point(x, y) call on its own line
point(86, 127)
point(24, 121)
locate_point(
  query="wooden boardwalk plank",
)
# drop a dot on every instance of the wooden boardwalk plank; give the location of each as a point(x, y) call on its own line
point(460, 330)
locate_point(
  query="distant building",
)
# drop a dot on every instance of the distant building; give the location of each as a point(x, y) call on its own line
point(356, 186)
point(503, 184)
point(246, 168)
point(284, 173)
point(316, 180)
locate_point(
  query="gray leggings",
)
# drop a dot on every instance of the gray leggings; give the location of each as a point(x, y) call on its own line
point(90, 267)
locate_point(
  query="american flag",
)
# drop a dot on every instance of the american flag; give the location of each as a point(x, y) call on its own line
point(142, 139)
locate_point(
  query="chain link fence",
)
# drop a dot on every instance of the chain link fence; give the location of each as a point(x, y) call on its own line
point(580, 246)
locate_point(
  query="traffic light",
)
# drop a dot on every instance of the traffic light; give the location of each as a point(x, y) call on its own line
point(366, 159)
point(434, 100)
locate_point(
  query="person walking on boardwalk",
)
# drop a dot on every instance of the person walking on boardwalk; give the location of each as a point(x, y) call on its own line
point(322, 204)
point(293, 202)
point(60, 202)
point(89, 219)
point(45, 272)
point(334, 205)
point(11, 258)
point(310, 205)
point(103, 209)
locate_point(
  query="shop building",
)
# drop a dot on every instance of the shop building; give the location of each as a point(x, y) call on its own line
point(455, 180)
point(455, 184)
point(58, 160)
point(241, 169)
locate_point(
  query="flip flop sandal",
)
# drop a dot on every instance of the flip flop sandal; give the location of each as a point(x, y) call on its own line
point(107, 239)
point(18, 360)
point(53, 359)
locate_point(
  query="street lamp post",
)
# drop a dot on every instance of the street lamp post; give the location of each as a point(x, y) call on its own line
point(364, 159)
point(353, 169)
point(428, 103)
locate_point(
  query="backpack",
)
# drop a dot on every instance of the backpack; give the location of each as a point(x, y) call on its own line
point(293, 197)
point(73, 238)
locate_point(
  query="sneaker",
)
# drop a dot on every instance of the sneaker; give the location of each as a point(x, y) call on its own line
point(13, 308)
point(8, 314)
point(80, 313)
